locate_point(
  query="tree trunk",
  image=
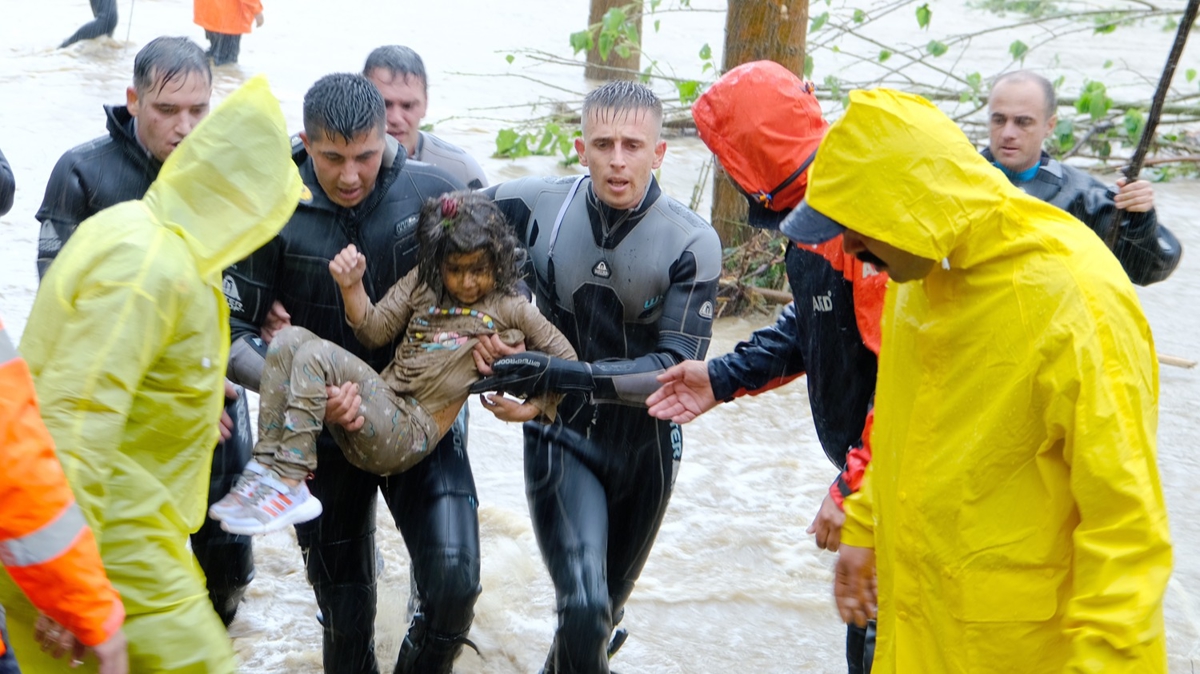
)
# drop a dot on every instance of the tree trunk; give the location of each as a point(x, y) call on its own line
point(755, 30)
point(615, 68)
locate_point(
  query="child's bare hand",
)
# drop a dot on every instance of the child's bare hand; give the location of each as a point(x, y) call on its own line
point(348, 267)
point(508, 409)
point(258, 20)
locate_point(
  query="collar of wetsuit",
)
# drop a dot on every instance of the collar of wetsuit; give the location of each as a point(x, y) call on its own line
point(1018, 176)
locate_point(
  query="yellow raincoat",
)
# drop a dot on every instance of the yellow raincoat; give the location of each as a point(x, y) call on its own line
point(127, 343)
point(1013, 500)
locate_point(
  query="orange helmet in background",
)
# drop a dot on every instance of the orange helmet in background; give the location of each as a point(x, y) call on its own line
point(764, 125)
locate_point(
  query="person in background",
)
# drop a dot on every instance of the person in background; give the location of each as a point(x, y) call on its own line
point(1022, 114)
point(224, 23)
point(104, 22)
point(764, 124)
point(1012, 506)
point(45, 546)
point(172, 87)
point(8, 185)
point(399, 74)
point(126, 343)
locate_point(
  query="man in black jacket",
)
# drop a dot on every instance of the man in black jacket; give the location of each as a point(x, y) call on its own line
point(1021, 116)
point(7, 185)
point(363, 192)
point(172, 85)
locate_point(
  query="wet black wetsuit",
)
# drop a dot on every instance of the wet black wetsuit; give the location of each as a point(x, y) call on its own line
point(104, 23)
point(86, 180)
point(1147, 250)
point(7, 185)
point(636, 288)
point(434, 503)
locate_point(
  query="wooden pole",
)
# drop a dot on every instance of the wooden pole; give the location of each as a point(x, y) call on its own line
point(756, 30)
point(1156, 108)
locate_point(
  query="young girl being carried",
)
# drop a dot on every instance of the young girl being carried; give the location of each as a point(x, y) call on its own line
point(464, 288)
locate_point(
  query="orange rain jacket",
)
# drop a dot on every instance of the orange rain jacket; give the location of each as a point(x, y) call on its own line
point(230, 17)
point(45, 544)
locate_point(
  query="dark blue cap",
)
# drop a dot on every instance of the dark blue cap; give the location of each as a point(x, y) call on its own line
point(806, 224)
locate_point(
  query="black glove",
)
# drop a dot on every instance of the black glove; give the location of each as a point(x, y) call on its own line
point(532, 373)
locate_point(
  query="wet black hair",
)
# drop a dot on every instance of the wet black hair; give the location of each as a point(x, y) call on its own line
point(620, 96)
point(343, 105)
point(397, 60)
point(165, 59)
point(464, 222)
point(1029, 76)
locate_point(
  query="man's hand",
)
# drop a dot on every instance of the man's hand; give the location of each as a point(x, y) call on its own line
point(532, 373)
point(490, 348)
point(1136, 197)
point(348, 267)
point(854, 586)
point(342, 407)
point(57, 641)
point(277, 319)
point(508, 409)
point(112, 654)
point(258, 20)
point(686, 393)
point(226, 424)
point(827, 525)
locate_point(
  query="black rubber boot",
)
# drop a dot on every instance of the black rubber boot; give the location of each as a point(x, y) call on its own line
point(427, 652)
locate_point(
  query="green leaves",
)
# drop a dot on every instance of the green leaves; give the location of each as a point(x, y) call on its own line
point(1134, 123)
point(936, 47)
point(549, 140)
point(581, 41)
point(689, 91)
point(808, 66)
point(1018, 50)
point(1093, 100)
point(817, 22)
point(1190, 74)
point(924, 14)
point(859, 16)
point(884, 55)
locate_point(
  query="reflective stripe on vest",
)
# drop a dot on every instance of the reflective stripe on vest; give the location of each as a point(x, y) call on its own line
point(7, 350)
point(46, 543)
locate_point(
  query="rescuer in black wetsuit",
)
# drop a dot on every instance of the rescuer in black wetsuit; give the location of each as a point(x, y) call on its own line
point(1021, 115)
point(629, 275)
point(363, 192)
point(172, 85)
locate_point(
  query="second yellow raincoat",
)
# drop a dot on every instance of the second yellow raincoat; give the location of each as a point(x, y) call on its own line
point(1013, 500)
point(127, 344)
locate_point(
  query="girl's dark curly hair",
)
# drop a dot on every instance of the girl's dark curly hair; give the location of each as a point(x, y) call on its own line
point(464, 222)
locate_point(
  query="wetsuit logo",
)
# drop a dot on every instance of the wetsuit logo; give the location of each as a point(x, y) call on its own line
point(601, 270)
point(406, 227)
point(652, 302)
point(232, 296)
point(706, 310)
point(823, 302)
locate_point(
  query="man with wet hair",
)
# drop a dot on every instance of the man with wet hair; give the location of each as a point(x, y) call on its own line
point(172, 85)
point(1022, 114)
point(629, 275)
point(365, 192)
point(399, 74)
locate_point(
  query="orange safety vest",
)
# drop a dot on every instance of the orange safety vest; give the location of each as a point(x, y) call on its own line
point(229, 17)
point(45, 544)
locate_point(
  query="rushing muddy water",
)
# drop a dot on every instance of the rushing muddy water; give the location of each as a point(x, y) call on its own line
point(733, 583)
